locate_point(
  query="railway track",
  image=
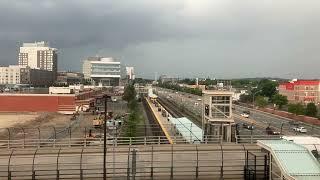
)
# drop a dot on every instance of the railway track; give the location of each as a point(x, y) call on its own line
point(176, 112)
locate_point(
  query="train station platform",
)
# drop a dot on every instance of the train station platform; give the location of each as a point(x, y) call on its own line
point(163, 121)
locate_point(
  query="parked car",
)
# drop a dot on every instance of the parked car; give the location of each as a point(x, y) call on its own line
point(300, 129)
point(245, 115)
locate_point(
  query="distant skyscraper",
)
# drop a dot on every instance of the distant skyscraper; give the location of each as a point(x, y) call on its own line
point(39, 55)
point(130, 73)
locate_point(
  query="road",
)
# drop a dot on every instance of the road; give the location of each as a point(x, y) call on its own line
point(260, 119)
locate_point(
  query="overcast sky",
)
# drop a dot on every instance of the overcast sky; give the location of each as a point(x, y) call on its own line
point(216, 38)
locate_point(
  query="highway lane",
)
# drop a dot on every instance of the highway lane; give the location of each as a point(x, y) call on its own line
point(277, 121)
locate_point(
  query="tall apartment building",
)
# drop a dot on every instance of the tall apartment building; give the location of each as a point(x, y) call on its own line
point(102, 71)
point(301, 91)
point(14, 74)
point(39, 55)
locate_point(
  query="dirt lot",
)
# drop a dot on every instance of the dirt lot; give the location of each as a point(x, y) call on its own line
point(11, 119)
point(30, 122)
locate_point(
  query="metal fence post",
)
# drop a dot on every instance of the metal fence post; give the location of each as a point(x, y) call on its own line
point(133, 164)
point(151, 173)
point(171, 172)
point(69, 136)
point(33, 175)
point(39, 141)
point(197, 167)
point(33, 171)
point(58, 175)
point(24, 137)
point(9, 161)
point(128, 165)
point(222, 158)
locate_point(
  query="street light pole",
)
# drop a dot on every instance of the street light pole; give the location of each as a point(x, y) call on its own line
point(105, 137)
point(253, 98)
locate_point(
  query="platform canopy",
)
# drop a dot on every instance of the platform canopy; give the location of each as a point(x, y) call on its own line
point(294, 160)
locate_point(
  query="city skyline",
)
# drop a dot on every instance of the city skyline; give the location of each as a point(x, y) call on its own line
point(222, 39)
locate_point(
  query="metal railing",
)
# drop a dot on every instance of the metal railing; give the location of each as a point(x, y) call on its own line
point(118, 141)
point(214, 161)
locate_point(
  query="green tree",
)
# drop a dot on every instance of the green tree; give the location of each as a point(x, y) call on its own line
point(132, 124)
point(279, 100)
point(129, 93)
point(261, 101)
point(296, 109)
point(245, 98)
point(311, 110)
point(268, 88)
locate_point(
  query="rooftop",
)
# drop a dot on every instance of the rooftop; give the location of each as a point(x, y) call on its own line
point(295, 161)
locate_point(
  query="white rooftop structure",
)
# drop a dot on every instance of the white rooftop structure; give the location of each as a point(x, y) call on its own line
point(291, 161)
point(190, 131)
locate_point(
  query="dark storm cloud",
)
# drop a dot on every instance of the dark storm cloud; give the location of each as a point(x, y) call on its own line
point(221, 38)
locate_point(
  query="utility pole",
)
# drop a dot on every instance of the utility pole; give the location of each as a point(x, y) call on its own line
point(105, 137)
point(253, 97)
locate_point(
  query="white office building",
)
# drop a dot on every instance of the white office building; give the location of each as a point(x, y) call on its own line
point(102, 71)
point(39, 55)
point(130, 73)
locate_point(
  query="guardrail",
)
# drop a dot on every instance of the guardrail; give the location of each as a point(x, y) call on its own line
point(118, 141)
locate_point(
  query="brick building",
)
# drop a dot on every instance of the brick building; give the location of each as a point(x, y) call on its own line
point(301, 91)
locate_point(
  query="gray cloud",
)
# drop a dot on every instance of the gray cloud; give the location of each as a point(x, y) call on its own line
point(221, 38)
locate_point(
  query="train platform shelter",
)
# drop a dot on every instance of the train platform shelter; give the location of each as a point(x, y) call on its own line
point(190, 131)
point(290, 161)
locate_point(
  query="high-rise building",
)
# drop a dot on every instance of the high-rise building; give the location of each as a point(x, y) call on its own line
point(102, 71)
point(39, 55)
point(130, 73)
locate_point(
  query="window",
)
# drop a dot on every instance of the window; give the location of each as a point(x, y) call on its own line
point(220, 99)
point(220, 111)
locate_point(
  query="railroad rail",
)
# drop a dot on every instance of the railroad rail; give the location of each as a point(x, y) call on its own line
point(177, 111)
